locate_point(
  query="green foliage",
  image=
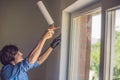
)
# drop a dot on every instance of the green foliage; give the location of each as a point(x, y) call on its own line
point(95, 57)
point(116, 66)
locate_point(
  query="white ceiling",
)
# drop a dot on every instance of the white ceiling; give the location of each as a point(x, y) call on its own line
point(79, 4)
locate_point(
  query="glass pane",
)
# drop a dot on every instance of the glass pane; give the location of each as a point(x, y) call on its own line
point(116, 66)
point(95, 47)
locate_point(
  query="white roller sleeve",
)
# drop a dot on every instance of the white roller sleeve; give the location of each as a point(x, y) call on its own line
point(45, 12)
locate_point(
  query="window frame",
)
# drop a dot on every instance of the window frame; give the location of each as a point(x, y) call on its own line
point(109, 43)
point(88, 11)
point(63, 74)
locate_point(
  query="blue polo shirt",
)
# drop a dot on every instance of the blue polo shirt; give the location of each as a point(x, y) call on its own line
point(18, 71)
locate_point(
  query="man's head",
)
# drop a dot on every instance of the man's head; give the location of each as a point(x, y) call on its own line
point(10, 55)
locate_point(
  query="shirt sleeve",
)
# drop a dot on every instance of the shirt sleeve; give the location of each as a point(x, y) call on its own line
point(11, 71)
point(25, 65)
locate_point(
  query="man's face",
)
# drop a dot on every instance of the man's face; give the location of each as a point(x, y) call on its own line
point(18, 57)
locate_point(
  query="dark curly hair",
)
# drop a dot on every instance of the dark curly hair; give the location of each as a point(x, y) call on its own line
point(7, 54)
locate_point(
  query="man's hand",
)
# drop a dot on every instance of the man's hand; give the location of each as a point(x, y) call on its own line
point(48, 34)
point(56, 42)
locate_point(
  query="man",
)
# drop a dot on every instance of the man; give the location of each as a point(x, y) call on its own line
point(15, 67)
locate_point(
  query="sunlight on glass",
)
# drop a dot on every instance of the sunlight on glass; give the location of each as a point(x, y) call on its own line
point(96, 26)
point(95, 47)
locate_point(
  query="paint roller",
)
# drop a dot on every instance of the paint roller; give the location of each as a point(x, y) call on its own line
point(46, 15)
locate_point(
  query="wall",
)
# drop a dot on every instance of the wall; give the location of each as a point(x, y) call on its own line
point(22, 24)
point(66, 3)
point(52, 63)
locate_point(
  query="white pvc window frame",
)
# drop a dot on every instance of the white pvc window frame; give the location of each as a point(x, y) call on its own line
point(109, 43)
point(74, 41)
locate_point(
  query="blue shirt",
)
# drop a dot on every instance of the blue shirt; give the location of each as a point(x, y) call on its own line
point(18, 71)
